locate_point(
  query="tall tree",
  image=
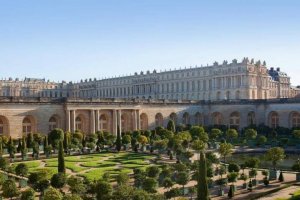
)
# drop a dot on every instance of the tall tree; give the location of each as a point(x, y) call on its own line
point(202, 187)
point(61, 159)
point(171, 126)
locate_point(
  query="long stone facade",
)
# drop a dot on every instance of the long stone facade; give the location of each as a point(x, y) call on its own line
point(20, 116)
point(226, 81)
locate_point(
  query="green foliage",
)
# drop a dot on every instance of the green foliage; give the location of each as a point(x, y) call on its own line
point(202, 187)
point(9, 189)
point(52, 193)
point(182, 178)
point(29, 140)
point(78, 135)
point(252, 162)
point(72, 197)
point(233, 167)
point(152, 171)
point(28, 194)
point(296, 133)
point(250, 134)
point(198, 145)
point(225, 150)
point(275, 155)
point(167, 183)
point(55, 136)
point(261, 140)
point(76, 185)
point(67, 140)
point(232, 177)
point(122, 178)
point(171, 126)
point(174, 192)
point(231, 134)
point(58, 180)
point(198, 132)
point(231, 192)
point(281, 178)
point(165, 134)
point(296, 166)
point(21, 169)
point(150, 185)
point(103, 190)
point(215, 134)
point(126, 139)
point(11, 148)
point(61, 160)
point(4, 163)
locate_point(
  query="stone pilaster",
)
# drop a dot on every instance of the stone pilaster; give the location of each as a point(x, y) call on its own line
point(92, 121)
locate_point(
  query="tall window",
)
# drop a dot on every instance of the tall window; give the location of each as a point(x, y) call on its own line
point(234, 120)
point(144, 121)
point(78, 123)
point(274, 120)
point(103, 123)
point(186, 118)
point(198, 119)
point(27, 125)
point(251, 118)
point(295, 120)
point(159, 119)
point(173, 117)
point(217, 119)
point(52, 123)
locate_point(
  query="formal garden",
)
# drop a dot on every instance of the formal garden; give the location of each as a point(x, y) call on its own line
point(183, 162)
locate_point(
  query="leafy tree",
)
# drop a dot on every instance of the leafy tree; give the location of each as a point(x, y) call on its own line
point(143, 140)
point(72, 197)
point(198, 132)
point(76, 185)
point(78, 135)
point(3, 163)
point(296, 133)
point(126, 139)
point(21, 169)
point(29, 140)
point(250, 134)
point(103, 190)
point(233, 167)
point(167, 183)
point(261, 140)
point(171, 126)
point(122, 178)
point(161, 145)
point(215, 133)
point(10, 189)
point(19, 146)
point(52, 193)
point(55, 136)
point(275, 155)
point(150, 185)
point(11, 148)
point(58, 180)
point(198, 145)
point(202, 188)
point(252, 162)
point(118, 141)
point(28, 194)
point(174, 192)
point(225, 150)
point(152, 171)
point(67, 140)
point(182, 178)
point(61, 160)
point(165, 134)
point(231, 134)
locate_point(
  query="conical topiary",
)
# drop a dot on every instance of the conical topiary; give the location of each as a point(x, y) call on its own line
point(281, 178)
point(202, 188)
point(61, 159)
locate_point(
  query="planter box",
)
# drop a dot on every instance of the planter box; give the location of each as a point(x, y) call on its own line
point(298, 177)
point(221, 192)
point(255, 182)
point(274, 174)
point(244, 185)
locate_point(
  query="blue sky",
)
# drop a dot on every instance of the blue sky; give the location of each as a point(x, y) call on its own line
point(76, 39)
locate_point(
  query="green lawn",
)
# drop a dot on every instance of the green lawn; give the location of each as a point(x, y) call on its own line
point(93, 166)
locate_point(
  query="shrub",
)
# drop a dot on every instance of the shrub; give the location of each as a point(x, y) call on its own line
point(21, 169)
point(52, 193)
point(233, 167)
point(28, 194)
point(58, 180)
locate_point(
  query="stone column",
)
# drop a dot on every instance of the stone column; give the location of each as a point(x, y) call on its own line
point(68, 121)
point(138, 119)
point(97, 120)
point(135, 126)
point(120, 121)
point(73, 121)
point(92, 121)
point(115, 122)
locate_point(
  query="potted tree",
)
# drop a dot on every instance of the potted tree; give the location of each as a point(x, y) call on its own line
point(275, 154)
point(296, 167)
point(24, 149)
point(244, 177)
point(126, 140)
point(266, 177)
point(232, 177)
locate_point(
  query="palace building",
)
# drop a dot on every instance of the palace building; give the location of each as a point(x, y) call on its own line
point(236, 94)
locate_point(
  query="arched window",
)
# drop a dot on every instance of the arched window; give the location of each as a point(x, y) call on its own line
point(144, 121)
point(274, 120)
point(103, 123)
point(217, 119)
point(234, 120)
point(186, 118)
point(27, 125)
point(78, 123)
point(295, 119)
point(52, 123)
point(159, 120)
point(198, 119)
point(251, 118)
point(173, 117)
